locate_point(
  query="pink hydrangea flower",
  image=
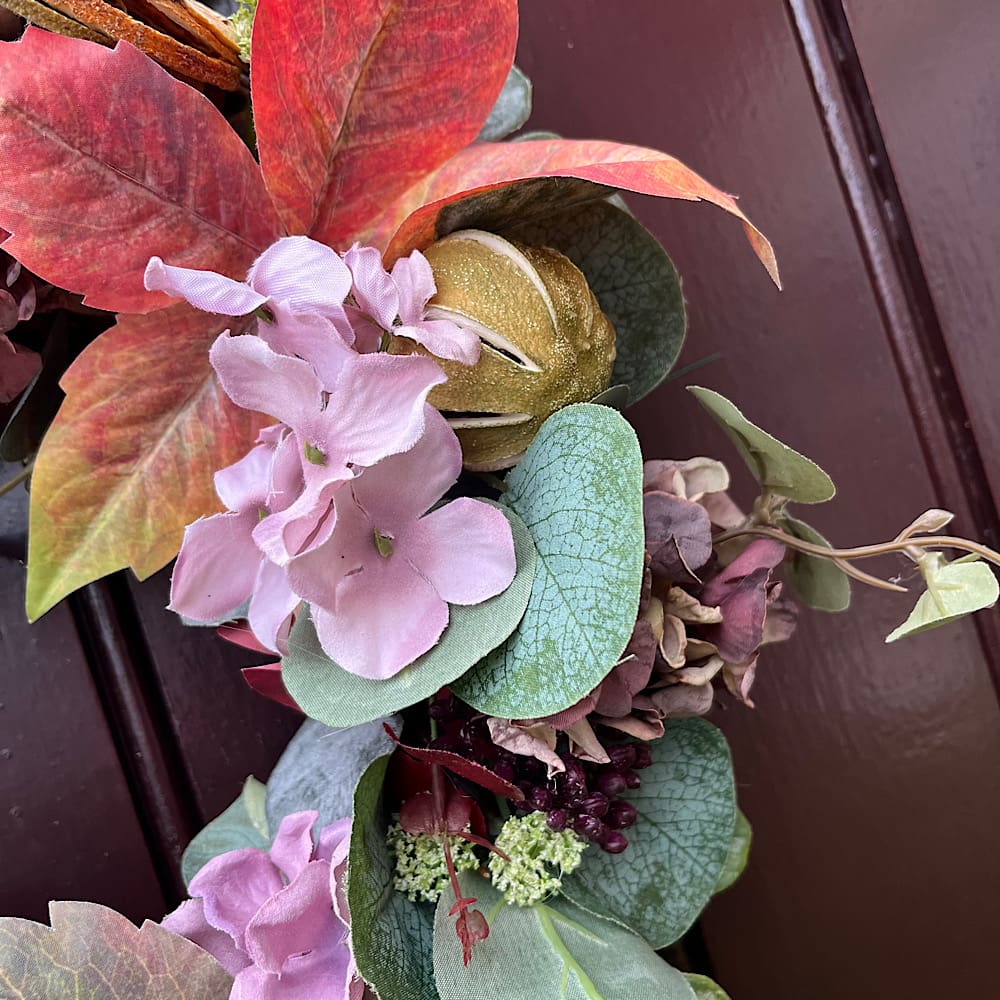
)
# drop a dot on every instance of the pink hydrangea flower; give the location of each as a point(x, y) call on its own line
point(277, 920)
point(220, 568)
point(297, 287)
point(397, 303)
point(380, 585)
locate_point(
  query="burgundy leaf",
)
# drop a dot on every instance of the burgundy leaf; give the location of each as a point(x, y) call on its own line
point(266, 680)
point(471, 928)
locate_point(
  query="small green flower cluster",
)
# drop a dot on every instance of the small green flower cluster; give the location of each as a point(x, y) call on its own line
point(242, 22)
point(421, 871)
point(534, 850)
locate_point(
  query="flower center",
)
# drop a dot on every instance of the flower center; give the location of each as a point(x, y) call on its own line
point(383, 544)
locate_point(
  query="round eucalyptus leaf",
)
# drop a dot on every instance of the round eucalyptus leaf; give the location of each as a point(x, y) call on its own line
point(327, 692)
point(777, 468)
point(321, 766)
point(579, 491)
point(633, 280)
point(559, 950)
point(739, 851)
point(679, 844)
point(705, 988)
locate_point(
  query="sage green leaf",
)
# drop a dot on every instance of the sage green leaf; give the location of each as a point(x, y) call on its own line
point(579, 491)
point(243, 824)
point(776, 467)
point(739, 851)
point(547, 951)
point(512, 108)
point(327, 692)
point(633, 280)
point(819, 582)
point(954, 589)
point(705, 988)
point(320, 768)
point(392, 937)
point(93, 953)
point(679, 844)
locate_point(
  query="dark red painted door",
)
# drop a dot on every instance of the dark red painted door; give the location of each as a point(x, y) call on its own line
point(864, 141)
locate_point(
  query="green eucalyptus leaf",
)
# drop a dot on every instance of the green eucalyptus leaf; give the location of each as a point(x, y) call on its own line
point(776, 467)
point(243, 824)
point(512, 108)
point(739, 851)
point(579, 491)
point(954, 589)
point(321, 767)
point(547, 951)
point(819, 582)
point(392, 938)
point(679, 844)
point(632, 278)
point(705, 988)
point(327, 692)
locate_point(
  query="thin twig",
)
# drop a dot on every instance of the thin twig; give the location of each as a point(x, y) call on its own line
point(24, 474)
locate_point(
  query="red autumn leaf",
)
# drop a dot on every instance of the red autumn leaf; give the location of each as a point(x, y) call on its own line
point(108, 160)
point(483, 168)
point(129, 460)
point(457, 764)
point(354, 103)
point(91, 951)
point(471, 928)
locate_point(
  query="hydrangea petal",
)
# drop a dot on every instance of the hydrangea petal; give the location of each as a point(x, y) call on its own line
point(444, 339)
point(404, 486)
point(233, 888)
point(216, 568)
point(271, 605)
point(256, 377)
point(387, 615)
point(206, 290)
point(296, 919)
point(414, 279)
point(374, 290)
point(465, 549)
point(188, 920)
point(292, 849)
point(244, 484)
point(302, 274)
point(325, 344)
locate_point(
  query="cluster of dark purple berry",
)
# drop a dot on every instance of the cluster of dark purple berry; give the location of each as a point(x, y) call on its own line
point(584, 797)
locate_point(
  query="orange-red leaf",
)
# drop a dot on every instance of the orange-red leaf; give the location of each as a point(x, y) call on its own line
point(91, 951)
point(129, 460)
point(355, 102)
point(107, 160)
point(483, 168)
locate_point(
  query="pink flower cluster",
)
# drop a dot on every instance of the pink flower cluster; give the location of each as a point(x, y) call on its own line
point(277, 920)
point(331, 505)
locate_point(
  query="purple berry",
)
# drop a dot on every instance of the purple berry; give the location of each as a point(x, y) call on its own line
point(589, 826)
point(632, 780)
point(611, 783)
point(595, 804)
point(504, 770)
point(643, 757)
point(621, 815)
point(541, 798)
point(622, 756)
point(557, 819)
point(614, 842)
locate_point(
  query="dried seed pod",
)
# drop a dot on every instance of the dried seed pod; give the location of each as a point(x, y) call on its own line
point(546, 342)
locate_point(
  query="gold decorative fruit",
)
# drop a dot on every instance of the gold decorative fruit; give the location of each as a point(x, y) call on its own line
point(545, 341)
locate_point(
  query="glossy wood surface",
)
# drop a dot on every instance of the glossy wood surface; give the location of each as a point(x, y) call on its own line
point(870, 772)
